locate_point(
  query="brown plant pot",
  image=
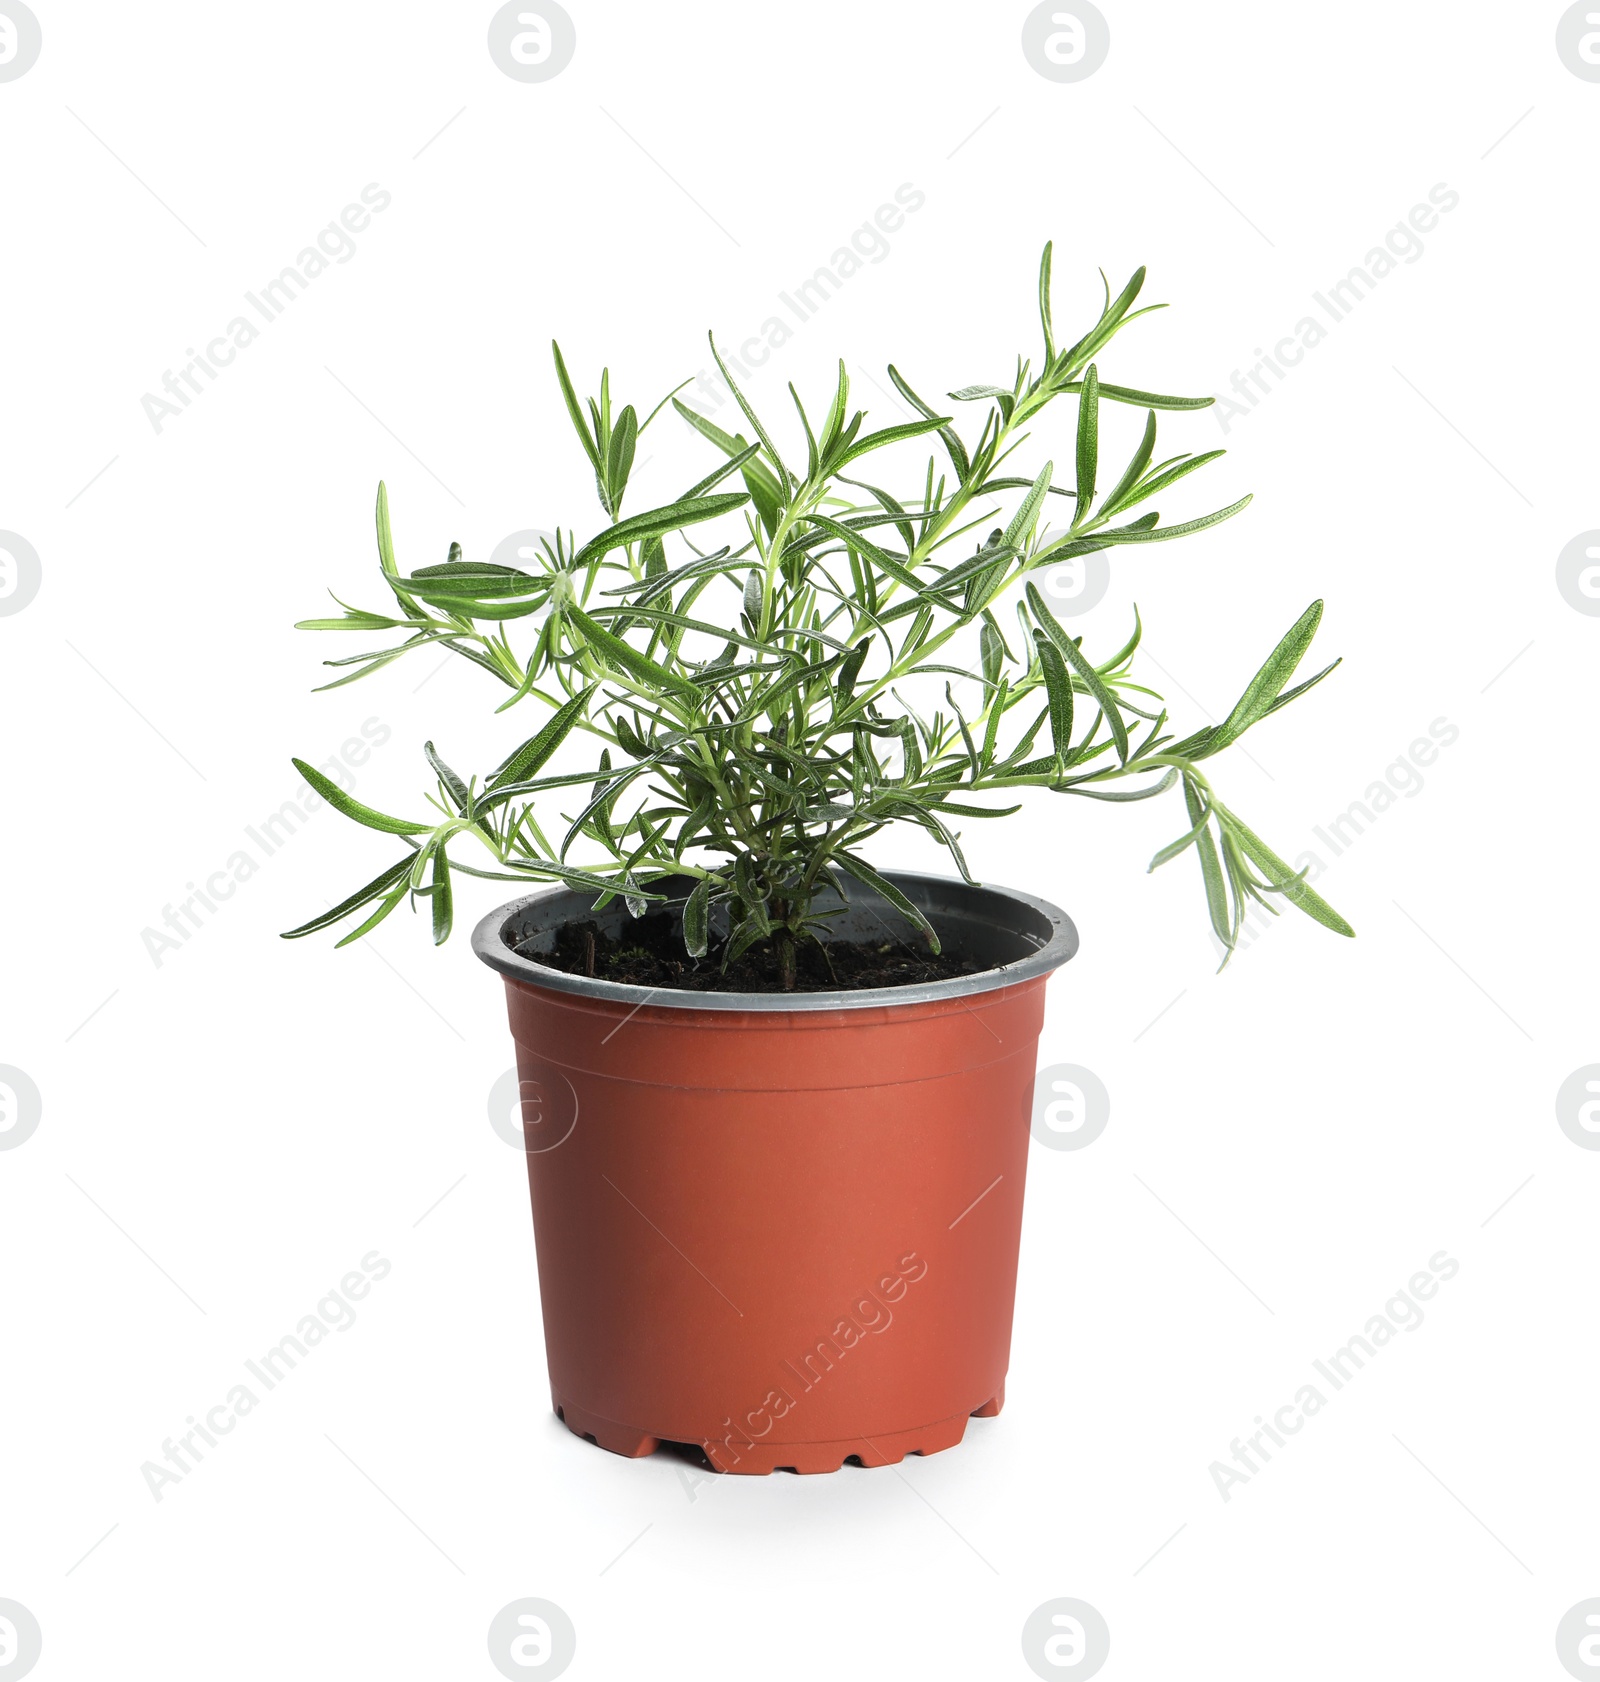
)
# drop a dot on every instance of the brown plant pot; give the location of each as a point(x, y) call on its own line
point(782, 1227)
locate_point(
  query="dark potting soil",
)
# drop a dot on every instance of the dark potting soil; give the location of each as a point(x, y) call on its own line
point(650, 953)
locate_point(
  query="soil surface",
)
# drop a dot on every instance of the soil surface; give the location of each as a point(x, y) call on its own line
point(650, 953)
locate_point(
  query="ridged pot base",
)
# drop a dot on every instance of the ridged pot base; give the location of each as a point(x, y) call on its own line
point(760, 1460)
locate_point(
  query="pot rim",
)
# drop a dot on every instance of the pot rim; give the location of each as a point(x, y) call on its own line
point(489, 942)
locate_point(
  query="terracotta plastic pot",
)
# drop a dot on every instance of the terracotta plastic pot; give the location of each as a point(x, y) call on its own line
point(783, 1227)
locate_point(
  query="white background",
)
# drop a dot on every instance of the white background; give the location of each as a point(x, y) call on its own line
point(226, 1133)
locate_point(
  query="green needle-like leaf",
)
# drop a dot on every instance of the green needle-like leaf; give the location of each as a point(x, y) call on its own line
point(460, 797)
point(1281, 878)
point(385, 906)
point(341, 802)
point(533, 753)
point(1059, 688)
point(657, 523)
point(1222, 925)
point(868, 877)
point(1091, 679)
point(580, 425)
point(1139, 532)
point(1020, 530)
point(784, 475)
point(1044, 303)
point(443, 899)
point(1088, 442)
point(619, 456)
point(1136, 466)
point(380, 884)
point(1261, 694)
point(697, 919)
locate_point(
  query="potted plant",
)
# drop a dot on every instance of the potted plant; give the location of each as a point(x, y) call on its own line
point(776, 1099)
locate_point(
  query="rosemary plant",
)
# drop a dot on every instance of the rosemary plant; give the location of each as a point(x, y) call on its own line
point(836, 659)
